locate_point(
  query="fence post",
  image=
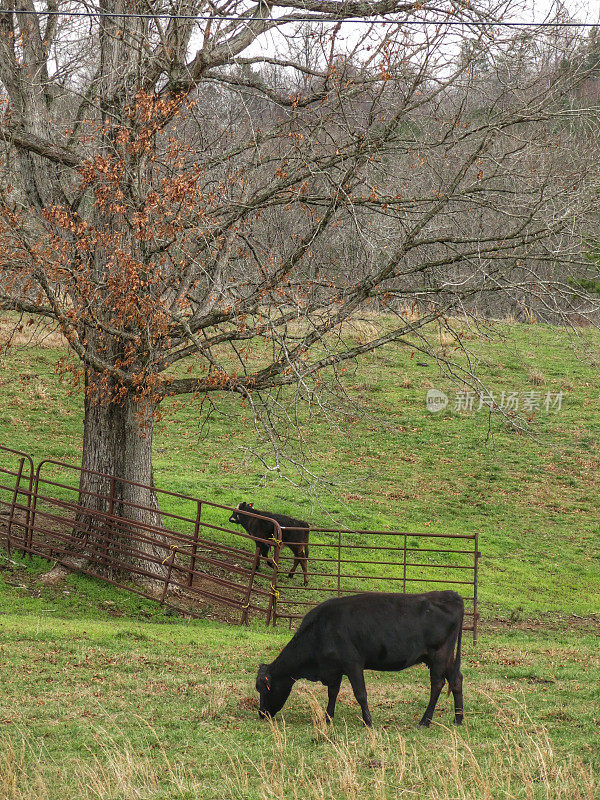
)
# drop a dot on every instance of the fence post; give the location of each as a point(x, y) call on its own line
point(246, 606)
point(29, 495)
point(29, 530)
point(13, 504)
point(110, 530)
point(195, 542)
point(404, 573)
point(339, 564)
point(475, 570)
point(274, 593)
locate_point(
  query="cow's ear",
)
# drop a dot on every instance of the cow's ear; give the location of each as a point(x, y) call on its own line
point(250, 505)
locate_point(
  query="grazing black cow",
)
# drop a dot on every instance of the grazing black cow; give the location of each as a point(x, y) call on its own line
point(346, 635)
point(296, 540)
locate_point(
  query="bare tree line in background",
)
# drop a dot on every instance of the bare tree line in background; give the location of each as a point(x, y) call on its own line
point(203, 207)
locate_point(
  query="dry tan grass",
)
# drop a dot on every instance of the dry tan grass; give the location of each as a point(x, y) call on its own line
point(360, 330)
point(446, 339)
point(536, 377)
point(359, 765)
point(118, 773)
point(381, 765)
point(17, 781)
point(20, 333)
point(27, 332)
point(530, 317)
point(411, 313)
point(217, 700)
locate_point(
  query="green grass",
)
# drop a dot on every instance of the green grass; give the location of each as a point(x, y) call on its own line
point(534, 497)
point(108, 696)
point(96, 705)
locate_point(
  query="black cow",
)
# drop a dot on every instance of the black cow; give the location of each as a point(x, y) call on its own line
point(296, 540)
point(346, 635)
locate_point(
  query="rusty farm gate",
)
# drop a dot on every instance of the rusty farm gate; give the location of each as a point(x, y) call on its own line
point(193, 557)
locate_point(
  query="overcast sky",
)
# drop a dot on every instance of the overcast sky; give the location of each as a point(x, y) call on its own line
point(532, 11)
point(581, 10)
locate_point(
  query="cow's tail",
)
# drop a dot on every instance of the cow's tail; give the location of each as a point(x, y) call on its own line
point(456, 664)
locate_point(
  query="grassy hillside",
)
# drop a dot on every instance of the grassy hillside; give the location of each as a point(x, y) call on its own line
point(533, 496)
point(107, 696)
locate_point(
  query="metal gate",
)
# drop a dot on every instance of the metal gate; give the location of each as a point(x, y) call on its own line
point(191, 556)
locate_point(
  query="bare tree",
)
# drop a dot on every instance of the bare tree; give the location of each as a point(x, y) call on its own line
point(200, 205)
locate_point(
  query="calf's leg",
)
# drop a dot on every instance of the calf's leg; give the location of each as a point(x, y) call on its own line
point(295, 564)
point(357, 681)
point(263, 552)
point(333, 689)
point(436, 676)
point(304, 565)
point(299, 558)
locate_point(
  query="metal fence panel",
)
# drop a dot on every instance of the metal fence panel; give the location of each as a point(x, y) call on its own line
point(191, 556)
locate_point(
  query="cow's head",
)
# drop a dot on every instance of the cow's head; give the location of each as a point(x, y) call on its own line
point(272, 692)
point(238, 518)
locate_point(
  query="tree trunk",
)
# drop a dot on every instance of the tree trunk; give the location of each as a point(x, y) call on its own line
point(117, 442)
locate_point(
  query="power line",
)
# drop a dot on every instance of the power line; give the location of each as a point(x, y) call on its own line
point(284, 19)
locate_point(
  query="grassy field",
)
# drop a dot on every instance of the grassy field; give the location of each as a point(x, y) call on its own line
point(533, 496)
point(108, 696)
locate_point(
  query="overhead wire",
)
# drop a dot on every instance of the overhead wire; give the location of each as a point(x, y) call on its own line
point(284, 19)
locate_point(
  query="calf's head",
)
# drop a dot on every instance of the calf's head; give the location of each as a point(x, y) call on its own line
point(272, 692)
point(239, 519)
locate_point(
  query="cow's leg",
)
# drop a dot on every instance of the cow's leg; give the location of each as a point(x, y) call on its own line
point(437, 682)
point(357, 681)
point(455, 682)
point(333, 690)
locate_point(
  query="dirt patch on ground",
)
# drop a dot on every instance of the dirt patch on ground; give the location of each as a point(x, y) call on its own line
point(54, 577)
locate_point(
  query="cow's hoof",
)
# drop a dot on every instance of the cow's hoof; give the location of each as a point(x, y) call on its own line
point(457, 721)
point(424, 723)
